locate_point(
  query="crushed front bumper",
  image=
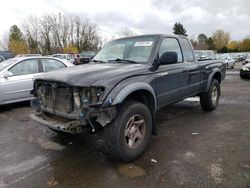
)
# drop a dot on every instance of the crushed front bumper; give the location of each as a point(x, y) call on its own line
point(72, 127)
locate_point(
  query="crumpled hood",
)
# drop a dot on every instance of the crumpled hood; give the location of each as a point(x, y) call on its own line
point(95, 74)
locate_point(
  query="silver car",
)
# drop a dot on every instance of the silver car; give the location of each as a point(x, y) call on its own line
point(247, 60)
point(16, 76)
point(68, 57)
point(1, 58)
point(230, 62)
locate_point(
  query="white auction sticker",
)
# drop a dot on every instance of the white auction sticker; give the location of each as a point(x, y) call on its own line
point(144, 43)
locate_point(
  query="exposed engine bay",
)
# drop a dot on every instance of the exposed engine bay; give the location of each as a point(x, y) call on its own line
point(74, 107)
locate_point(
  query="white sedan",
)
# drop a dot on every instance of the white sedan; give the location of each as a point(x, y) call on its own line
point(229, 61)
point(16, 76)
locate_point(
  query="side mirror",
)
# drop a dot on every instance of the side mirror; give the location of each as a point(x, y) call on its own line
point(7, 74)
point(168, 58)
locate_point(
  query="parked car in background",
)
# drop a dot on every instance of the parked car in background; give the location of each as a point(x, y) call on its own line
point(86, 57)
point(6, 54)
point(241, 57)
point(16, 76)
point(1, 58)
point(247, 59)
point(28, 55)
point(245, 71)
point(229, 61)
point(202, 55)
point(68, 57)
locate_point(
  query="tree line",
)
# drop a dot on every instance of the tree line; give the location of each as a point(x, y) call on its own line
point(72, 34)
point(220, 41)
point(53, 34)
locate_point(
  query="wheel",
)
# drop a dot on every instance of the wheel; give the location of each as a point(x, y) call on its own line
point(232, 67)
point(210, 99)
point(128, 135)
point(242, 76)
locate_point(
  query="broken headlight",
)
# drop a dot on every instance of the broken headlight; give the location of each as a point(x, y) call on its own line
point(92, 95)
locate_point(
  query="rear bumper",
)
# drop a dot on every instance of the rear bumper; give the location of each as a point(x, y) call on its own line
point(57, 126)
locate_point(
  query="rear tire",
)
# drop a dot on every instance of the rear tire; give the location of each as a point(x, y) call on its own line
point(210, 99)
point(242, 76)
point(128, 135)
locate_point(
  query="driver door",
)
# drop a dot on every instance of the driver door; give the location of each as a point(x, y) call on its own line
point(170, 79)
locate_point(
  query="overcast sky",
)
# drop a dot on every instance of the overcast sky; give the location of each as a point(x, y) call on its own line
point(141, 16)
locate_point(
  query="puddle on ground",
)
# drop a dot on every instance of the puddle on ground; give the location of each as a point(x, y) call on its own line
point(216, 172)
point(193, 99)
point(2, 184)
point(189, 156)
point(245, 164)
point(229, 78)
point(130, 170)
point(48, 145)
point(21, 166)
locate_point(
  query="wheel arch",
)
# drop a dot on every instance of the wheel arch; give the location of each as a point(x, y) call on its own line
point(217, 75)
point(141, 92)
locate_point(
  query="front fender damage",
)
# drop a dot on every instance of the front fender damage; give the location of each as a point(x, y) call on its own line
point(95, 117)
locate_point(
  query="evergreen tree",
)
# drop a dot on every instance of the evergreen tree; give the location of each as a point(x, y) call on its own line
point(202, 39)
point(16, 43)
point(179, 29)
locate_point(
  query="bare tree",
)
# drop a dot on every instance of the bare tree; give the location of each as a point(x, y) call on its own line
point(125, 32)
point(55, 33)
point(4, 42)
point(220, 39)
point(31, 28)
point(46, 34)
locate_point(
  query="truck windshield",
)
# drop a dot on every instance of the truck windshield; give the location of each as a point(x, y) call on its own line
point(127, 50)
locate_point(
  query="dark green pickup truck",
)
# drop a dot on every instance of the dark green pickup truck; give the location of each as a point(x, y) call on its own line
point(120, 91)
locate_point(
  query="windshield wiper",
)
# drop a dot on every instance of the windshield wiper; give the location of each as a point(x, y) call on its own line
point(126, 60)
point(97, 61)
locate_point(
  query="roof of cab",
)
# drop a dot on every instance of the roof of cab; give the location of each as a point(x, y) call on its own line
point(156, 35)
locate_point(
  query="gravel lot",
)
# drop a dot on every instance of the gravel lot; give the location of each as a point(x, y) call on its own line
point(192, 149)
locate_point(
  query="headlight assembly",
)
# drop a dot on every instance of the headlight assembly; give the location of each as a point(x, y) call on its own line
point(92, 95)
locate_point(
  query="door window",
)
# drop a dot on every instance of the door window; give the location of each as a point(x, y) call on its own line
point(171, 44)
point(25, 67)
point(52, 64)
point(187, 51)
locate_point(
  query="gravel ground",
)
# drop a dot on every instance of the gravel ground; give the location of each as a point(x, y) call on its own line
point(192, 149)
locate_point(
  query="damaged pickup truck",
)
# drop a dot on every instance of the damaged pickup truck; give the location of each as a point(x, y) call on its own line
point(120, 91)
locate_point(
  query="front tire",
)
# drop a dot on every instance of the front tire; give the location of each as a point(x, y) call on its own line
point(128, 135)
point(210, 99)
point(242, 75)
